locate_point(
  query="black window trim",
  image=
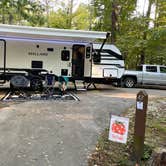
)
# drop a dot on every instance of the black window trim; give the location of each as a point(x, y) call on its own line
point(150, 69)
point(36, 64)
point(67, 57)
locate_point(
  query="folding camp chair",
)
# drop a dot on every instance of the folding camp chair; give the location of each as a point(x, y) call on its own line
point(49, 84)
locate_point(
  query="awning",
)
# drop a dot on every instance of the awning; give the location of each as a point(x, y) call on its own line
point(50, 33)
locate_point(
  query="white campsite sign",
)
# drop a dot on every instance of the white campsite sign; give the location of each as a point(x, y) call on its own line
point(118, 129)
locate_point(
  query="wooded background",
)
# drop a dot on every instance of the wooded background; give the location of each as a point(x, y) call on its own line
point(140, 34)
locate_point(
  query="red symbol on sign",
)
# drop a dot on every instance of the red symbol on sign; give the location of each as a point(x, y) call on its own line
point(118, 127)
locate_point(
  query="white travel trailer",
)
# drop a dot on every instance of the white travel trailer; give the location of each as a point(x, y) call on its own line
point(28, 51)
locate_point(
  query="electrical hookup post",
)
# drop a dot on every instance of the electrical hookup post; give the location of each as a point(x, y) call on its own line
point(139, 128)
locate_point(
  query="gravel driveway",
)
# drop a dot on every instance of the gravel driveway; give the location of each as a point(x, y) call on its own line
point(58, 133)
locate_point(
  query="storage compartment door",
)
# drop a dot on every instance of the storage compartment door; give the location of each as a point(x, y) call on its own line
point(111, 72)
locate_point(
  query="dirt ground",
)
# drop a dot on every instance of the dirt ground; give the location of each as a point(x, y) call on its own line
point(53, 133)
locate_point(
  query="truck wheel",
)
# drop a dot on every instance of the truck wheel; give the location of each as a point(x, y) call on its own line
point(36, 84)
point(129, 82)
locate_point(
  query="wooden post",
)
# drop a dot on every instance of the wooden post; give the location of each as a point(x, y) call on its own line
point(139, 129)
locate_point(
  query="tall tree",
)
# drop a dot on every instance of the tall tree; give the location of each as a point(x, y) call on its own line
point(146, 20)
point(112, 14)
point(70, 13)
point(113, 21)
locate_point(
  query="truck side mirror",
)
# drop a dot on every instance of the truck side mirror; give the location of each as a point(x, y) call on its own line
point(96, 57)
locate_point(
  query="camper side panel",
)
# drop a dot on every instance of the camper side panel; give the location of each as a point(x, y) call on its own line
point(32, 54)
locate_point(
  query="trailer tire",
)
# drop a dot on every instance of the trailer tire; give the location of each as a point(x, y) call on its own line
point(36, 84)
point(129, 82)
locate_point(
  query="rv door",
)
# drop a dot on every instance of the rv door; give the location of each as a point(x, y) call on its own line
point(81, 61)
point(78, 61)
point(2, 60)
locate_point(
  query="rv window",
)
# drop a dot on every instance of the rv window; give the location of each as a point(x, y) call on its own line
point(96, 57)
point(64, 72)
point(37, 64)
point(50, 49)
point(65, 55)
point(88, 52)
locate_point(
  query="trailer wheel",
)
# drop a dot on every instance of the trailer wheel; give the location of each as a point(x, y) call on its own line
point(129, 82)
point(36, 84)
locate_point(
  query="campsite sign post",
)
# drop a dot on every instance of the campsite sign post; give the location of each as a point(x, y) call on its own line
point(140, 120)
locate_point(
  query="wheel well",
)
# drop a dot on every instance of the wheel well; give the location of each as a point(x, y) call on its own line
point(129, 76)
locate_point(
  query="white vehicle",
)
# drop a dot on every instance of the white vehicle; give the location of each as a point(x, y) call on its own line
point(109, 66)
point(28, 51)
point(145, 75)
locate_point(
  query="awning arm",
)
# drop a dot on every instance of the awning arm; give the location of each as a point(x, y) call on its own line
point(107, 36)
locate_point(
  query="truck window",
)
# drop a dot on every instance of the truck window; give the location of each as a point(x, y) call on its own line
point(151, 68)
point(162, 69)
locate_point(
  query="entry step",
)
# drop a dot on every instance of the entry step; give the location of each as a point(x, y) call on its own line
point(80, 85)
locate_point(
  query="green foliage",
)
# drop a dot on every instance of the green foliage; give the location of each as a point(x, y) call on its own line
point(21, 12)
point(79, 18)
point(58, 19)
point(147, 152)
point(134, 36)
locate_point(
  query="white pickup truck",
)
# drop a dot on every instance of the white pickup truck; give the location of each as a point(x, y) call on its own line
point(145, 75)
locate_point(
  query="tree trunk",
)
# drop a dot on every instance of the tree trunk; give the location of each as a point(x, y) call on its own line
point(147, 17)
point(47, 11)
point(70, 11)
point(10, 19)
point(3, 15)
point(113, 22)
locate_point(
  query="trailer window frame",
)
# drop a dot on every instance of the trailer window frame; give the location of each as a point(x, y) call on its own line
point(36, 64)
point(88, 52)
point(50, 49)
point(65, 55)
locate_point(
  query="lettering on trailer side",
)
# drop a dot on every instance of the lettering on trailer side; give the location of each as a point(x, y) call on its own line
point(38, 53)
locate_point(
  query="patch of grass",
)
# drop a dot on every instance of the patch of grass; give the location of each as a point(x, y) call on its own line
point(160, 125)
point(147, 152)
